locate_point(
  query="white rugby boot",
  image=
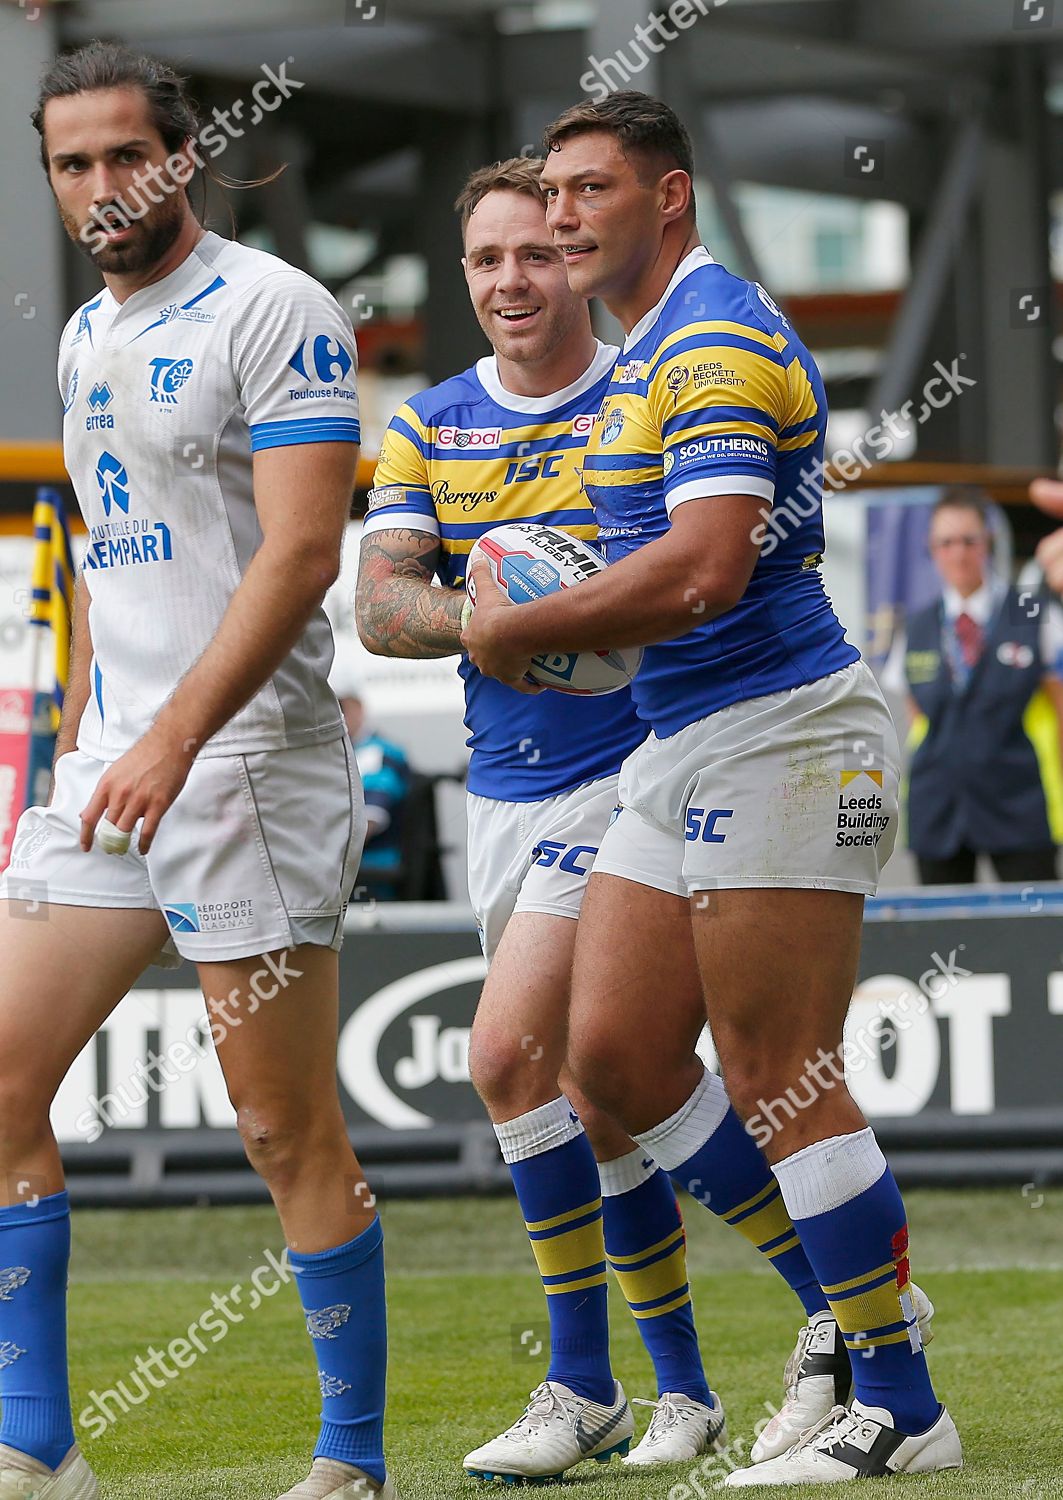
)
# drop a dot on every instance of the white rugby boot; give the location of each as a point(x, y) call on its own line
point(858, 1444)
point(330, 1480)
point(26, 1478)
point(557, 1430)
point(680, 1429)
point(819, 1377)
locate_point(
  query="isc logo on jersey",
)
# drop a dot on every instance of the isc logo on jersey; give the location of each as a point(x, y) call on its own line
point(323, 364)
point(468, 437)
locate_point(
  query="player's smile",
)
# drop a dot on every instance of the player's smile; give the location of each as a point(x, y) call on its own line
point(575, 253)
point(518, 317)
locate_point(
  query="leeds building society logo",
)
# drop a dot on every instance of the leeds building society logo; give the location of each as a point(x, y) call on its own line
point(861, 820)
point(323, 364)
point(167, 378)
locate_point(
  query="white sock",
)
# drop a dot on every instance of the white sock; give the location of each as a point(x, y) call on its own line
point(625, 1173)
point(676, 1139)
point(822, 1177)
point(539, 1130)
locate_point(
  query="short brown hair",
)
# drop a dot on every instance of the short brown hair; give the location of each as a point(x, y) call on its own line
point(518, 174)
point(964, 497)
point(646, 128)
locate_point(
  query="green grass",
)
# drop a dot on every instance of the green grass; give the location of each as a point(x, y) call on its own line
point(240, 1424)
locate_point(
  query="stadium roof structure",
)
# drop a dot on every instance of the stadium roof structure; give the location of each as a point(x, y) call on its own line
point(951, 108)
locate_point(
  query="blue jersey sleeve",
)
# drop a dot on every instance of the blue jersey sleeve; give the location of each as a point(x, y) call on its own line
point(719, 394)
point(401, 496)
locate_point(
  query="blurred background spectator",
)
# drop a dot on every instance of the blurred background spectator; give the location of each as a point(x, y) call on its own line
point(971, 664)
point(385, 774)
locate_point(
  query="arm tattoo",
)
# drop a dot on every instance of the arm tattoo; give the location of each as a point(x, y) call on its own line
point(399, 611)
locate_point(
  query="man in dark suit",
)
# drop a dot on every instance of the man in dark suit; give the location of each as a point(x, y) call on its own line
point(971, 663)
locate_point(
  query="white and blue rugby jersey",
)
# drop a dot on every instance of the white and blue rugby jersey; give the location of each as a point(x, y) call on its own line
point(167, 396)
point(714, 394)
point(468, 455)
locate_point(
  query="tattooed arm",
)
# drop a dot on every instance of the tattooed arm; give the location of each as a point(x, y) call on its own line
point(399, 611)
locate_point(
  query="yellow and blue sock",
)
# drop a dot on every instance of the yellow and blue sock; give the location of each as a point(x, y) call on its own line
point(556, 1179)
point(645, 1244)
point(34, 1384)
point(849, 1214)
point(342, 1292)
point(706, 1149)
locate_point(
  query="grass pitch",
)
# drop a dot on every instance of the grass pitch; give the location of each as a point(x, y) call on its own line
point(467, 1312)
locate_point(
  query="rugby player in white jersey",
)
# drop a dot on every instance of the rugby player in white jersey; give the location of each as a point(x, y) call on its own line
point(211, 435)
point(758, 812)
point(504, 441)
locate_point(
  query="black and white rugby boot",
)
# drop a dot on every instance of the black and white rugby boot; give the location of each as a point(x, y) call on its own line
point(819, 1377)
point(858, 1444)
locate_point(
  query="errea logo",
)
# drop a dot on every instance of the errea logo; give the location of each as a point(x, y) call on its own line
point(469, 437)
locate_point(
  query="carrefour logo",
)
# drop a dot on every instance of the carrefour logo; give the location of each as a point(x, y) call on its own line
point(113, 481)
point(331, 361)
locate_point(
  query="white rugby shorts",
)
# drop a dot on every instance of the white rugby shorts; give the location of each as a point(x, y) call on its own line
point(798, 788)
point(534, 856)
point(258, 852)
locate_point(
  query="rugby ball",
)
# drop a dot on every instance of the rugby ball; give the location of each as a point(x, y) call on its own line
point(529, 561)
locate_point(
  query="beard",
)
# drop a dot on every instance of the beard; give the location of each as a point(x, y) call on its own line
point(152, 237)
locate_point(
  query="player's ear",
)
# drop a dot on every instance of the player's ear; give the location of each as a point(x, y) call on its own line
point(675, 188)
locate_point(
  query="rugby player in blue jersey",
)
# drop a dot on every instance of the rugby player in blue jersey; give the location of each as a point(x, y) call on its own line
point(763, 803)
point(504, 441)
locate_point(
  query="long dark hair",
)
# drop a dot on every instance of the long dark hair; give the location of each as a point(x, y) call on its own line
point(174, 113)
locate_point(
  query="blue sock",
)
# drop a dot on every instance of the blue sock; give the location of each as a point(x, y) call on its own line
point(646, 1247)
point(851, 1220)
point(707, 1150)
point(343, 1294)
point(34, 1383)
point(556, 1178)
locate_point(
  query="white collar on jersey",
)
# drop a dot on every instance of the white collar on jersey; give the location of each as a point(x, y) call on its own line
point(199, 258)
point(487, 374)
point(980, 605)
point(697, 258)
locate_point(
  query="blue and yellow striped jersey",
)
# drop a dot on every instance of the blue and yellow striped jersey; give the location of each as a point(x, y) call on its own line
point(714, 394)
point(458, 459)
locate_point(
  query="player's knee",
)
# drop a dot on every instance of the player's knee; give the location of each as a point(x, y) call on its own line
point(280, 1141)
point(754, 1081)
point(510, 1072)
point(599, 1068)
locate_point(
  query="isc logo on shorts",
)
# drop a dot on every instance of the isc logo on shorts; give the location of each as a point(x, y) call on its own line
point(550, 852)
point(702, 825)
